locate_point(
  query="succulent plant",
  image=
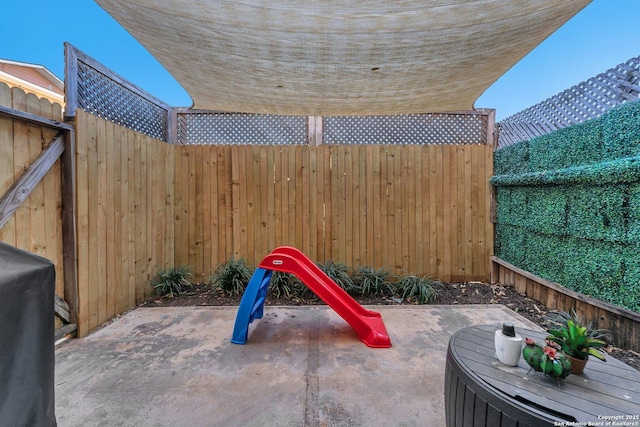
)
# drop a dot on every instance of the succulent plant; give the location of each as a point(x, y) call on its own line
point(548, 360)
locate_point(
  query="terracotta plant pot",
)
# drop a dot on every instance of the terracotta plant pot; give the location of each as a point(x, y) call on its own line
point(577, 365)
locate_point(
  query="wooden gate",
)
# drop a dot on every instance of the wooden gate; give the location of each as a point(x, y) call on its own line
point(37, 190)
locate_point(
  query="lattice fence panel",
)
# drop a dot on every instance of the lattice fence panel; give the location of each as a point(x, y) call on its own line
point(99, 91)
point(209, 128)
point(584, 101)
point(407, 129)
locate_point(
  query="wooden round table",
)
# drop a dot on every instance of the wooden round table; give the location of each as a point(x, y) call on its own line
point(481, 391)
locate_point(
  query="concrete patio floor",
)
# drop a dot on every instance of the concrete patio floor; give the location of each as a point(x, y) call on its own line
point(302, 366)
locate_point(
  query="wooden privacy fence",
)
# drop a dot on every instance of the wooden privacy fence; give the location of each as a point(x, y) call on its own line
point(145, 204)
point(36, 189)
point(125, 217)
point(413, 209)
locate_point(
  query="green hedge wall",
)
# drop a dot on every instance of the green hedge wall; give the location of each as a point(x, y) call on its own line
point(568, 206)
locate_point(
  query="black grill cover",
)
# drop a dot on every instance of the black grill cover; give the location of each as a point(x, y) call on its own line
point(27, 355)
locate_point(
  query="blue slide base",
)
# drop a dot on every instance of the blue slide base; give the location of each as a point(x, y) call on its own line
point(252, 304)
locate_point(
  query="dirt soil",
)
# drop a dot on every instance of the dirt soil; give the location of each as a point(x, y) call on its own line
point(447, 294)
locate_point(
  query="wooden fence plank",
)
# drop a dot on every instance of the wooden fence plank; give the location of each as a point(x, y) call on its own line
point(54, 202)
point(7, 232)
point(312, 196)
point(417, 171)
point(349, 196)
point(487, 246)
point(5, 95)
point(132, 242)
point(200, 202)
point(123, 242)
point(255, 205)
point(399, 219)
point(192, 207)
point(212, 256)
point(169, 233)
point(476, 186)
point(82, 224)
point(228, 230)
point(280, 196)
point(205, 208)
point(385, 187)
point(273, 154)
point(22, 160)
point(120, 229)
point(243, 204)
point(439, 214)
point(101, 214)
point(452, 201)
point(409, 203)
point(263, 188)
point(461, 229)
point(299, 226)
point(237, 225)
point(362, 257)
point(111, 149)
point(142, 255)
point(92, 235)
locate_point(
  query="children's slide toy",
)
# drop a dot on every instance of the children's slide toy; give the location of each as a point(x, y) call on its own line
point(367, 324)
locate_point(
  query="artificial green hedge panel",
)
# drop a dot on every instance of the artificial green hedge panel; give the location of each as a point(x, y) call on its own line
point(608, 214)
point(513, 159)
point(621, 131)
point(600, 213)
point(568, 206)
point(614, 135)
point(546, 209)
point(626, 169)
point(633, 231)
point(603, 270)
point(572, 146)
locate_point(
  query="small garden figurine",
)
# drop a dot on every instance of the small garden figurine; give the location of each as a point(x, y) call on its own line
point(548, 360)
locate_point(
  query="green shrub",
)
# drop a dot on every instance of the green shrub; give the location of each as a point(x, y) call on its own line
point(339, 273)
point(370, 282)
point(232, 277)
point(285, 285)
point(416, 289)
point(172, 281)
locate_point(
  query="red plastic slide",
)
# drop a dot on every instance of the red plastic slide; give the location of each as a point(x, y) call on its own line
point(367, 324)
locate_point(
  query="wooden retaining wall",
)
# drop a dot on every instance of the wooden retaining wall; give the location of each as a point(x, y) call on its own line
point(624, 323)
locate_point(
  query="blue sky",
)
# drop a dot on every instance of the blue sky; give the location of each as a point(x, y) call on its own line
point(604, 34)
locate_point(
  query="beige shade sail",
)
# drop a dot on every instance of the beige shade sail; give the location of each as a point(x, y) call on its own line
point(339, 57)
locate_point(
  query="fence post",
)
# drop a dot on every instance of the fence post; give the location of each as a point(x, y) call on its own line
point(70, 82)
point(69, 237)
point(315, 136)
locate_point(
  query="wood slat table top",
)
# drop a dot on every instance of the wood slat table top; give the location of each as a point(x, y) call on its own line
point(606, 389)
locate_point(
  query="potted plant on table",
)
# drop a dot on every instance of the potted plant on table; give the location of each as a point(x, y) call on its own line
point(548, 360)
point(576, 340)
